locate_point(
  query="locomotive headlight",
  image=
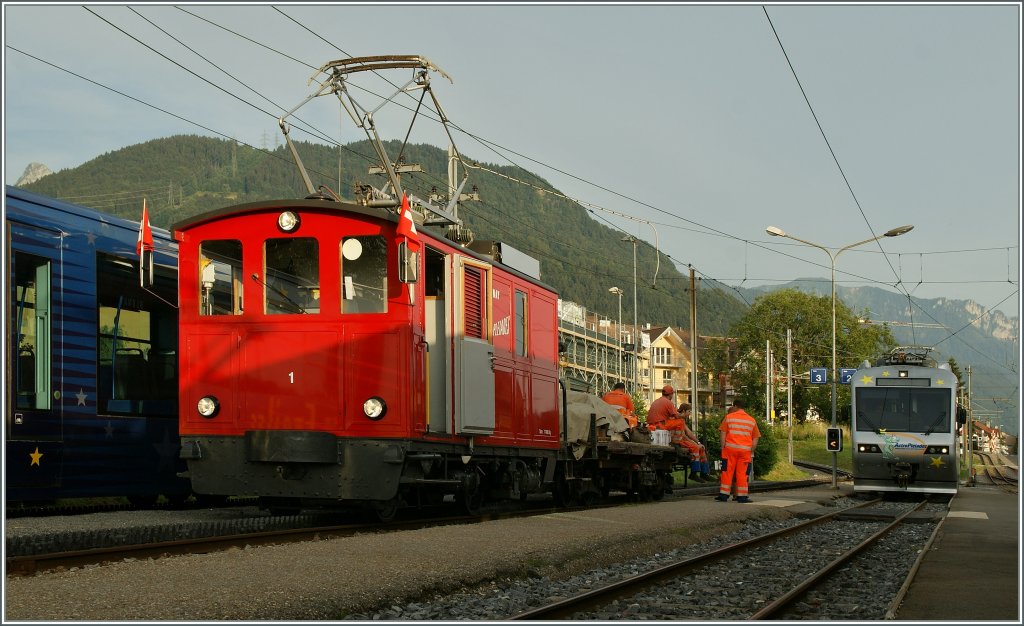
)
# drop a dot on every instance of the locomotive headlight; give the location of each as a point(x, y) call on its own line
point(937, 450)
point(208, 406)
point(288, 221)
point(375, 408)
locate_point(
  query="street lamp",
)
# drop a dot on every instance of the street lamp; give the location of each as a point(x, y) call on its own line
point(778, 232)
point(618, 292)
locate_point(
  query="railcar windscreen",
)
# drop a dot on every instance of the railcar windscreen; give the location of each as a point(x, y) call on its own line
point(903, 409)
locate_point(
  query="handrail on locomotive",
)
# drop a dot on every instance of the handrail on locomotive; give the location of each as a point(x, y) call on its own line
point(336, 82)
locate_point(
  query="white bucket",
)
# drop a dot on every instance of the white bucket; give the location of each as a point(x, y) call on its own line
point(662, 438)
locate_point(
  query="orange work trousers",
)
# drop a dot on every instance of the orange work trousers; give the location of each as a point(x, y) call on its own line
point(736, 464)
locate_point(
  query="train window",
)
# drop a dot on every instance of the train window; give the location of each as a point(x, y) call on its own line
point(30, 314)
point(220, 284)
point(364, 274)
point(916, 409)
point(521, 323)
point(137, 340)
point(292, 270)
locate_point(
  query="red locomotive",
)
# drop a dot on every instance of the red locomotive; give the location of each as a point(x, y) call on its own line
point(327, 359)
point(331, 354)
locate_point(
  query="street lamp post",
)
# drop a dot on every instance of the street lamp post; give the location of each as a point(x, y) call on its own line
point(618, 330)
point(778, 232)
point(636, 331)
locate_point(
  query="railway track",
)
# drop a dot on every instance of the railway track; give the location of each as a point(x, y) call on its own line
point(728, 583)
point(997, 471)
point(827, 469)
point(26, 555)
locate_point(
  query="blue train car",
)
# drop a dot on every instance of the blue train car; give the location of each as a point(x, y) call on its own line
point(90, 360)
point(904, 424)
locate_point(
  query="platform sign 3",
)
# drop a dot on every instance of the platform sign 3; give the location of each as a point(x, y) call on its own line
point(819, 375)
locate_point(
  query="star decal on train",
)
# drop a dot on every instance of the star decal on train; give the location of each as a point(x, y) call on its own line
point(937, 462)
point(35, 456)
point(82, 396)
point(885, 373)
point(865, 379)
point(939, 381)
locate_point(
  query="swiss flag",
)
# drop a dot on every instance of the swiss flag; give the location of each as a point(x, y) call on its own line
point(406, 227)
point(145, 232)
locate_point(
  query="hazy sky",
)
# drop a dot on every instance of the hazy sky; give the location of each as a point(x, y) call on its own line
point(687, 116)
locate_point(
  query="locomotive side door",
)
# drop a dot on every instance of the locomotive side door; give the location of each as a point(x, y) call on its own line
point(437, 333)
point(472, 350)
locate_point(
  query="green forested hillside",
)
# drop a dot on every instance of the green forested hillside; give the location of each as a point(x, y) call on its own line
point(184, 175)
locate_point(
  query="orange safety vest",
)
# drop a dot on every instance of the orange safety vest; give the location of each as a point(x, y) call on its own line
point(624, 403)
point(739, 430)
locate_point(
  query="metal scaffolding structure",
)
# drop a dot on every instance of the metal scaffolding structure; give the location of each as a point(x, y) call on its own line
point(592, 359)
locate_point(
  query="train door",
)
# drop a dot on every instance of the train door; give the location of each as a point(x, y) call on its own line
point(473, 354)
point(437, 284)
point(34, 422)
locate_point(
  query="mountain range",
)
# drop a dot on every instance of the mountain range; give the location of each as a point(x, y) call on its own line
point(987, 341)
point(581, 258)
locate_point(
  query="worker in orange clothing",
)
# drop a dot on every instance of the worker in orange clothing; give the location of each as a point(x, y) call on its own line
point(662, 409)
point(740, 435)
point(700, 470)
point(619, 398)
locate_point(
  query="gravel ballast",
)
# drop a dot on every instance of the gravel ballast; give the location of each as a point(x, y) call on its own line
point(335, 578)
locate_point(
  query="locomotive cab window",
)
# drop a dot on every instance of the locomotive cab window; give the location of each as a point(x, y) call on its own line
point(30, 313)
point(220, 277)
point(292, 276)
point(364, 274)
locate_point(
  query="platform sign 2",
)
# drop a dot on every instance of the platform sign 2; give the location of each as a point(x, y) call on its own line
point(846, 375)
point(819, 375)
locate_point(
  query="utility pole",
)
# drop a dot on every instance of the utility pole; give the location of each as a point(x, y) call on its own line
point(636, 329)
point(970, 431)
point(768, 381)
point(693, 350)
point(789, 389)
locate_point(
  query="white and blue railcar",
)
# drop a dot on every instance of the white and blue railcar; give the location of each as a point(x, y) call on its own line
point(904, 421)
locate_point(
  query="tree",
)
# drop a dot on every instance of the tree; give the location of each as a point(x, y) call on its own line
point(810, 319)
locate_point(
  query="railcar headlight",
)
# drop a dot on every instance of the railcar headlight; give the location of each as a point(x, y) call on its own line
point(375, 408)
point(208, 406)
point(287, 221)
point(937, 450)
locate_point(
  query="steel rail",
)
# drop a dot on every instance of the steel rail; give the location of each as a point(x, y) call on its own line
point(783, 601)
point(605, 595)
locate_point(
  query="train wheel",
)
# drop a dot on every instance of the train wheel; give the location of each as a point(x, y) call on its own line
point(472, 503)
point(386, 510)
point(565, 495)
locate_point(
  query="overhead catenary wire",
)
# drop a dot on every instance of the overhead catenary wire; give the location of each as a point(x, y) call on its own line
point(747, 242)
